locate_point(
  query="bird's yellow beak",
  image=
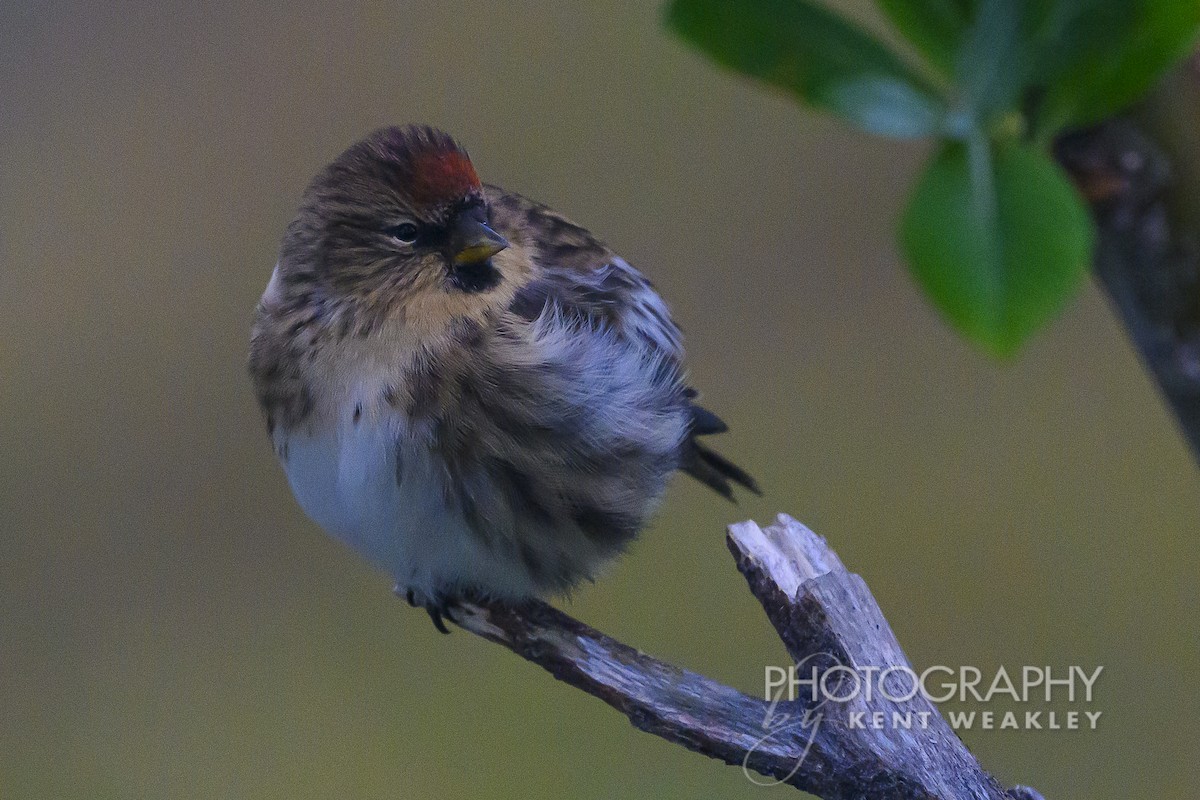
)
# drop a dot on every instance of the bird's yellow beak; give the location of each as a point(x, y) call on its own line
point(472, 241)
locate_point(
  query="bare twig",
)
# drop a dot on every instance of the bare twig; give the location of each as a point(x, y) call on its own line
point(829, 622)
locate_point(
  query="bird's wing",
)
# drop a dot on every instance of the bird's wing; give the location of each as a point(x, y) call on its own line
point(578, 276)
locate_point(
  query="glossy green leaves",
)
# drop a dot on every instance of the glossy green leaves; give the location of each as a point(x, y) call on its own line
point(815, 55)
point(1000, 253)
point(994, 232)
point(935, 27)
point(1099, 56)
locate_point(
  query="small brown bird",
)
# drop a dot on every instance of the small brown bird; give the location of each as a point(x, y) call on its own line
point(465, 386)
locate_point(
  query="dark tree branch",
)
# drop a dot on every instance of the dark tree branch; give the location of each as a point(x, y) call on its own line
point(828, 621)
point(1145, 259)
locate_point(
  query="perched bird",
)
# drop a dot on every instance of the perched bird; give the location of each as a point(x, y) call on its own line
point(465, 386)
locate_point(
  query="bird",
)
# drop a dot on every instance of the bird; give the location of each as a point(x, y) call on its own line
point(465, 386)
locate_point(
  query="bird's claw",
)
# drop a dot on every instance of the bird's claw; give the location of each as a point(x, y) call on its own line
point(438, 608)
point(435, 614)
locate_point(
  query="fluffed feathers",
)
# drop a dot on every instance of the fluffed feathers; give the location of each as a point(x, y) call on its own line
point(466, 386)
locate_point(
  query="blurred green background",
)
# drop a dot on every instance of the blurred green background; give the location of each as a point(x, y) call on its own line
point(171, 626)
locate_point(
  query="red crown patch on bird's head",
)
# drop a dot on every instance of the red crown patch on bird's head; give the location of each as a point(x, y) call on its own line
point(432, 167)
point(443, 175)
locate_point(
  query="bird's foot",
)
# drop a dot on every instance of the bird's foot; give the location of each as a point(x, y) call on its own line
point(437, 611)
point(438, 607)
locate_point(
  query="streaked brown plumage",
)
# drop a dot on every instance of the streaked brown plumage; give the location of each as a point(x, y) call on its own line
point(465, 385)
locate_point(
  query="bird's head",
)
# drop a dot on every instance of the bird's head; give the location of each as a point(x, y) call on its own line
point(398, 218)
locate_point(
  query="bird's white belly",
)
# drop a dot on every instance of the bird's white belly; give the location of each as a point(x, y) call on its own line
point(379, 488)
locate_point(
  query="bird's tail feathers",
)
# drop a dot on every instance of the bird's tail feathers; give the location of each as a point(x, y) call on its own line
point(709, 467)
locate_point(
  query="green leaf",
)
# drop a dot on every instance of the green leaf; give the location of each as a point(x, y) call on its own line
point(991, 64)
point(884, 106)
point(823, 60)
point(1110, 53)
point(998, 239)
point(935, 27)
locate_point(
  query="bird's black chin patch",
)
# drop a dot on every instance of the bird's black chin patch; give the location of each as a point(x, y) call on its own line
point(478, 276)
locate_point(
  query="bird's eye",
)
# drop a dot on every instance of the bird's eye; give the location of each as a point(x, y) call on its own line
point(405, 232)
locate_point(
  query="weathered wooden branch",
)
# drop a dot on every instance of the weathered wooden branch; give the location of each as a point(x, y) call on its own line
point(829, 623)
point(1146, 258)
